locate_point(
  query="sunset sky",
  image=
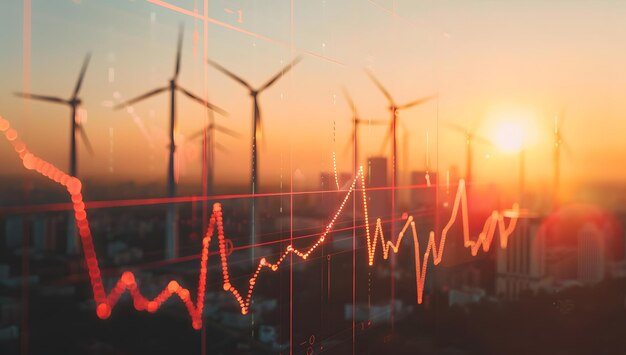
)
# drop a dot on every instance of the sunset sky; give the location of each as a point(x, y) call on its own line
point(491, 62)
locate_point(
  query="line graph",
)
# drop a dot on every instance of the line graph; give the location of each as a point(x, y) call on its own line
point(127, 282)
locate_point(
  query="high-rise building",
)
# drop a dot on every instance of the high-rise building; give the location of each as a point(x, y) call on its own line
point(13, 229)
point(521, 265)
point(591, 254)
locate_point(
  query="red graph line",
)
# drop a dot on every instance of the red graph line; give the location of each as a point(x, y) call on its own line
point(105, 302)
point(179, 199)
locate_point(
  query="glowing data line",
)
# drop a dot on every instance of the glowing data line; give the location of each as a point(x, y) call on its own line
point(106, 302)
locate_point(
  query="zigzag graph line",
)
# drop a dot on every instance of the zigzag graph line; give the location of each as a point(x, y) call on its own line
point(105, 302)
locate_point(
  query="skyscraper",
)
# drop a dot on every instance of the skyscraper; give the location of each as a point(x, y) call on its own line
point(521, 265)
point(591, 254)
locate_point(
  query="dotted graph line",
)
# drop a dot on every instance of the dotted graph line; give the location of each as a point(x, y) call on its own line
point(106, 302)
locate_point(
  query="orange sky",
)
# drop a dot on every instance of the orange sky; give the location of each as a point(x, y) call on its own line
point(489, 61)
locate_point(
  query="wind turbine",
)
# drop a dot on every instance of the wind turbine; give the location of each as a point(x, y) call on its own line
point(256, 130)
point(173, 86)
point(393, 132)
point(210, 130)
point(356, 121)
point(215, 127)
point(559, 143)
point(74, 102)
point(75, 125)
point(470, 139)
point(209, 145)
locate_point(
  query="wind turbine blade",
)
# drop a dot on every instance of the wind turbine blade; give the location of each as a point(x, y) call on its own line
point(372, 122)
point(141, 97)
point(482, 140)
point(179, 50)
point(280, 74)
point(417, 102)
point(456, 127)
point(230, 74)
point(228, 131)
point(83, 70)
point(567, 148)
point(221, 147)
point(203, 102)
point(380, 86)
point(85, 139)
point(197, 134)
point(350, 102)
point(41, 97)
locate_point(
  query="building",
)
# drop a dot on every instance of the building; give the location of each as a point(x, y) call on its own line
point(521, 266)
point(591, 254)
point(465, 296)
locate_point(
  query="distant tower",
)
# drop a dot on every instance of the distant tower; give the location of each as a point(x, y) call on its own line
point(450, 181)
point(521, 265)
point(591, 254)
point(377, 174)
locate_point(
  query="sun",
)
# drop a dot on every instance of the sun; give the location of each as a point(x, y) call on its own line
point(509, 135)
point(511, 127)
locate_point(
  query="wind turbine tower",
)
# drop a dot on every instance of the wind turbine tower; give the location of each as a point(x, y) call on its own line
point(559, 144)
point(356, 122)
point(393, 132)
point(471, 138)
point(171, 239)
point(257, 133)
